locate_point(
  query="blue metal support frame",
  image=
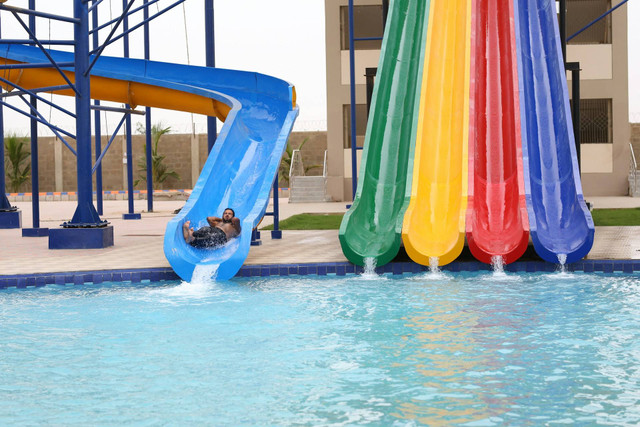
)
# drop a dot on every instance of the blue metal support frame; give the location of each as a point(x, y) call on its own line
point(35, 230)
point(106, 149)
point(132, 29)
point(85, 215)
point(31, 42)
point(113, 21)
point(98, 51)
point(22, 91)
point(56, 130)
point(604, 15)
point(148, 125)
point(39, 14)
point(210, 47)
point(10, 216)
point(352, 87)
point(126, 5)
point(42, 65)
point(33, 37)
point(93, 10)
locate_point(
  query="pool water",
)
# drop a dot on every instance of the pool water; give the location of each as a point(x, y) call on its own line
point(472, 349)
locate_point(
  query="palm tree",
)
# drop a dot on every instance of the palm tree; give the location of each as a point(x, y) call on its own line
point(17, 174)
point(160, 170)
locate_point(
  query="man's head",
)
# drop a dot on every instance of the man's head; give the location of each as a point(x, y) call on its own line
point(228, 215)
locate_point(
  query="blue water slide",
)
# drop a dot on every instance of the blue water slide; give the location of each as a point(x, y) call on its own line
point(241, 168)
point(560, 222)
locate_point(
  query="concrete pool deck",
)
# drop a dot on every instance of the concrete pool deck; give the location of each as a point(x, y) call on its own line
point(138, 243)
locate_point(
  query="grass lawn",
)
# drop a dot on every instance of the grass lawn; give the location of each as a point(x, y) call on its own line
point(310, 221)
point(331, 221)
point(620, 217)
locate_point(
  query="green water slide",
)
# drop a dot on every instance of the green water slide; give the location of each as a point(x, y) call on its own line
point(372, 227)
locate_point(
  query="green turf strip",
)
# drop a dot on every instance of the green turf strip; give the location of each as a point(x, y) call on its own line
point(310, 221)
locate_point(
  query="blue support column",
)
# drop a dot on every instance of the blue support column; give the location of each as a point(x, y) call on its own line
point(276, 233)
point(148, 125)
point(86, 229)
point(97, 123)
point(210, 46)
point(131, 214)
point(352, 86)
point(10, 216)
point(36, 231)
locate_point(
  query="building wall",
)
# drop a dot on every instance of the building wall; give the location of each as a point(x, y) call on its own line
point(605, 167)
point(604, 75)
point(338, 94)
point(183, 153)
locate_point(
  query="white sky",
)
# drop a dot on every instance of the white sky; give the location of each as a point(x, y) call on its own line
point(282, 38)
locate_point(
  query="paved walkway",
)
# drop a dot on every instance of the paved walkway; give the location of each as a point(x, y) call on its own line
point(138, 243)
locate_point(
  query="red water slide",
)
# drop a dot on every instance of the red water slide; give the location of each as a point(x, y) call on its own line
point(497, 223)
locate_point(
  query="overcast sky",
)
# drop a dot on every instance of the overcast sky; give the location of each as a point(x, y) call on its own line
point(283, 38)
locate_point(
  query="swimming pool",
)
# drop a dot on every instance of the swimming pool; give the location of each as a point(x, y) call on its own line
point(467, 348)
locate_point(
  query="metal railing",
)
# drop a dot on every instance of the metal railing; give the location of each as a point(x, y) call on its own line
point(633, 174)
point(324, 165)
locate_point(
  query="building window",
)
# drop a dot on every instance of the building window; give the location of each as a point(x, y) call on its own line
point(596, 121)
point(361, 124)
point(580, 13)
point(367, 22)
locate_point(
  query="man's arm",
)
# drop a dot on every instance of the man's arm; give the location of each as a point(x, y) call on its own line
point(213, 220)
point(236, 224)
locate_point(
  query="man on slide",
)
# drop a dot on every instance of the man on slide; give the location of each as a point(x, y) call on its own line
point(218, 233)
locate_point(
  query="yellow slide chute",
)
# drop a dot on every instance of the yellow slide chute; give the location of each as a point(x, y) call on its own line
point(434, 224)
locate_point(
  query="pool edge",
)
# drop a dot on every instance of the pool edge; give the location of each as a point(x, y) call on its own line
point(320, 269)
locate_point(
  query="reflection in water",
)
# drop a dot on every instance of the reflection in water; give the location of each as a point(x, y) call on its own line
point(458, 352)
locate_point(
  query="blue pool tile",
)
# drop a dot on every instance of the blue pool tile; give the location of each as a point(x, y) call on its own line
point(607, 267)
point(599, 266)
point(68, 278)
point(396, 269)
point(331, 269)
point(312, 269)
point(245, 272)
point(341, 270)
point(31, 281)
point(22, 283)
point(86, 278)
point(78, 279)
point(350, 268)
point(588, 267)
point(136, 277)
point(96, 278)
point(303, 270)
point(636, 266)
point(274, 271)
point(293, 269)
point(60, 279)
point(627, 268)
point(41, 281)
point(321, 270)
point(618, 266)
point(3, 283)
point(12, 282)
point(49, 280)
point(264, 271)
point(284, 271)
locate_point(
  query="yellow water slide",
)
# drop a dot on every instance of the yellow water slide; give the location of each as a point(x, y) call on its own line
point(434, 224)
